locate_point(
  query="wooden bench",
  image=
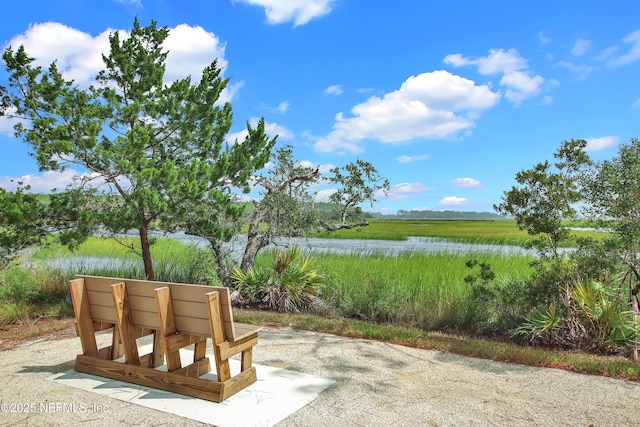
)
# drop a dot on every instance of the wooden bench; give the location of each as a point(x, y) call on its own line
point(177, 316)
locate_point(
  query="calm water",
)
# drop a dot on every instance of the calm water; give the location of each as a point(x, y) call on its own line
point(338, 246)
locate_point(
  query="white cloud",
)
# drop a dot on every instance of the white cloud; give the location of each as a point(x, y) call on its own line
point(283, 106)
point(365, 90)
point(409, 159)
point(334, 90)
point(466, 183)
point(190, 50)
point(453, 201)
point(430, 105)
point(136, 3)
point(323, 195)
point(322, 168)
point(636, 104)
point(7, 122)
point(271, 129)
point(297, 11)
point(580, 47)
point(543, 38)
point(632, 54)
point(406, 190)
point(48, 181)
point(517, 79)
point(79, 55)
point(582, 70)
point(602, 143)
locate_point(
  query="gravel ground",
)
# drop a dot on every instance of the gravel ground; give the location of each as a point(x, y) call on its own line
point(377, 384)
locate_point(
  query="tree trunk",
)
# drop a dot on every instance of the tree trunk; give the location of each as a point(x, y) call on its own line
point(221, 261)
point(255, 241)
point(146, 251)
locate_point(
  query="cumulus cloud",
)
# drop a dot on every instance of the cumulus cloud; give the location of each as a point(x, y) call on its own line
point(50, 180)
point(409, 159)
point(453, 201)
point(632, 53)
point(465, 183)
point(406, 190)
point(271, 129)
point(334, 90)
point(79, 54)
point(517, 79)
point(580, 47)
point(283, 107)
point(299, 12)
point(430, 105)
point(602, 143)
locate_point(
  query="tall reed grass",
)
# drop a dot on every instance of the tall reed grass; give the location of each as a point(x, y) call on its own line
point(498, 232)
point(173, 260)
point(412, 289)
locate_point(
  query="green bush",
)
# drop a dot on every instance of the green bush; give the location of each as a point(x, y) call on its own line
point(18, 285)
point(291, 283)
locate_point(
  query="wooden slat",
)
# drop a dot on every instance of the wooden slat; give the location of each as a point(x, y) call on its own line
point(169, 381)
point(228, 350)
point(84, 321)
point(158, 350)
point(178, 315)
point(238, 382)
point(244, 330)
point(179, 292)
point(167, 327)
point(125, 324)
point(178, 341)
point(217, 335)
point(196, 369)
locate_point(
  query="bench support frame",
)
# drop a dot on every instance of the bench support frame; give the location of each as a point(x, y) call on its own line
point(167, 342)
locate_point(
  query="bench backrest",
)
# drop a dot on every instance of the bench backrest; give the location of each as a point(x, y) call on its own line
point(189, 305)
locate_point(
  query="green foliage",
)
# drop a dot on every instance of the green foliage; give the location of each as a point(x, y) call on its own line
point(18, 285)
point(594, 318)
point(414, 289)
point(547, 195)
point(291, 283)
point(21, 222)
point(154, 148)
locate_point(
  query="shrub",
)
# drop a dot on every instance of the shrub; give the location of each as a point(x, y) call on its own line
point(18, 285)
point(593, 318)
point(292, 282)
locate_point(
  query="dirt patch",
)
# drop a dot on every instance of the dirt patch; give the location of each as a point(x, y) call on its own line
point(43, 328)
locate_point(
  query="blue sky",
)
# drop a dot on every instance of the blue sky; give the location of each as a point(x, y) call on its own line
point(448, 100)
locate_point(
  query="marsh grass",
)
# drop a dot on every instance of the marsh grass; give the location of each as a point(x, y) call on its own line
point(491, 232)
point(421, 290)
point(173, 260)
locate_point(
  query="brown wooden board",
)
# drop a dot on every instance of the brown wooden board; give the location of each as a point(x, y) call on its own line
point(190, 311)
